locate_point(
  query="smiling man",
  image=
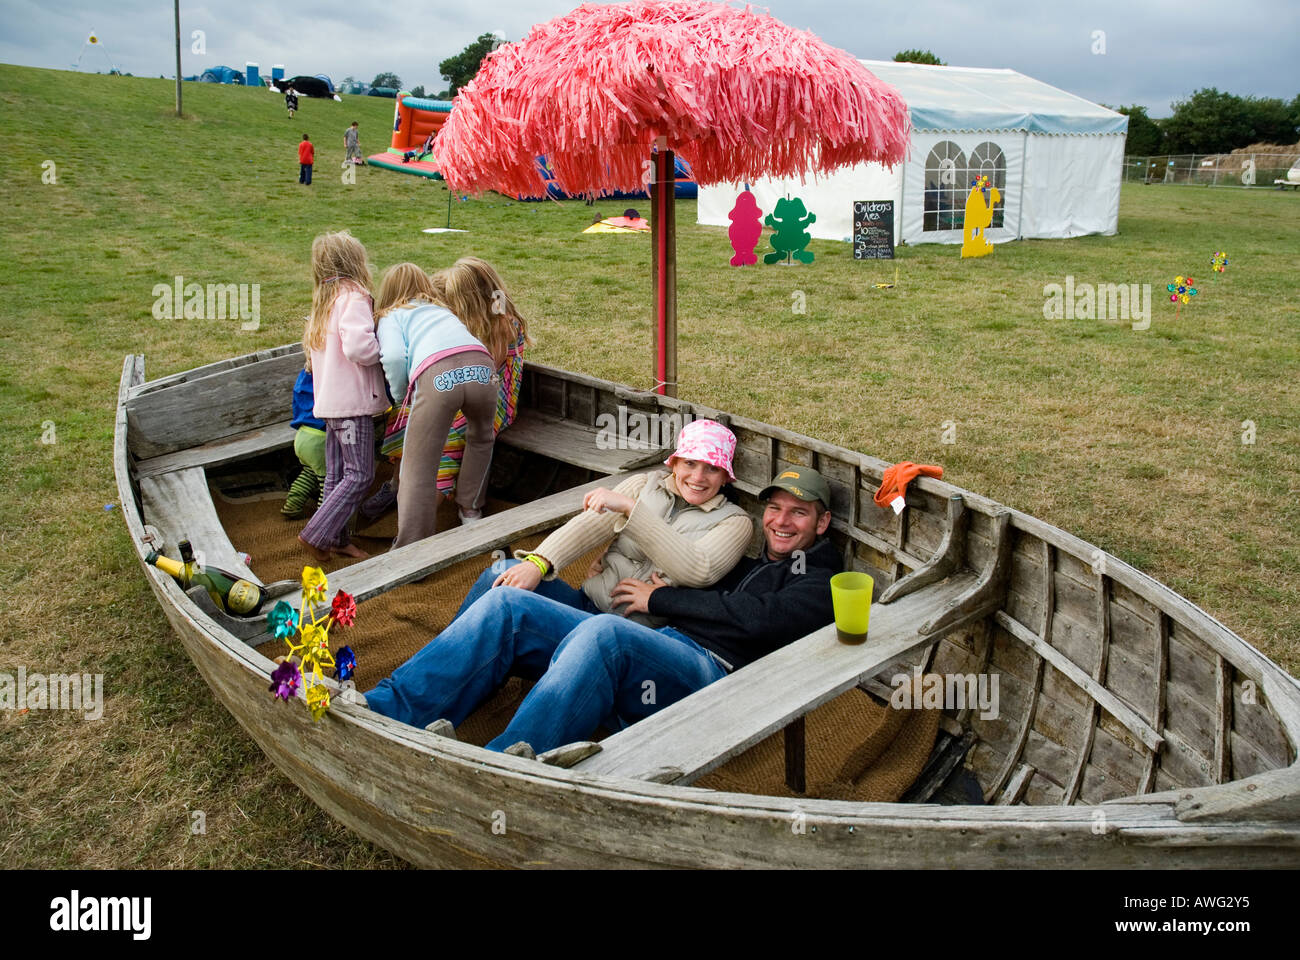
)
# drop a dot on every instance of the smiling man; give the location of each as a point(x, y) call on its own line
point(595, 669)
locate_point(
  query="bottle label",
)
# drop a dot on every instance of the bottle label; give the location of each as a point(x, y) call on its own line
point(244, 597)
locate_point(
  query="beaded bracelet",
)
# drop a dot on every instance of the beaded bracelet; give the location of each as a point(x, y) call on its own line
point(537, 562)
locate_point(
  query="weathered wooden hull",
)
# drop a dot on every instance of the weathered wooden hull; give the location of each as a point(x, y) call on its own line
point(438, 802)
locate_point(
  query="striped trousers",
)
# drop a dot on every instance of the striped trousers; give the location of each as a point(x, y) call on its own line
point(349, 471)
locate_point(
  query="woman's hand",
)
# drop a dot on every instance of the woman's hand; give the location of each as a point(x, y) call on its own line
point(601, 500)
point(525, 576)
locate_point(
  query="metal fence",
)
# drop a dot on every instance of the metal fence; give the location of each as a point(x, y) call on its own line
point(1212, 169)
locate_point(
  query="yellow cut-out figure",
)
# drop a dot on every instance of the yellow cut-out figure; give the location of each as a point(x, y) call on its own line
point(979, 214)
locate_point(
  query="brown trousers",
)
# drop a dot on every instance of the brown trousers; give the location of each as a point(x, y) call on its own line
point(459, 382)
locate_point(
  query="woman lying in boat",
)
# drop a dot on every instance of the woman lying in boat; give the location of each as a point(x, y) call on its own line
point(595, 668)
point(678, 523)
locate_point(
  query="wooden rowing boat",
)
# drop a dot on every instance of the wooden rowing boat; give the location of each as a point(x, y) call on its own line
point(1134, 729)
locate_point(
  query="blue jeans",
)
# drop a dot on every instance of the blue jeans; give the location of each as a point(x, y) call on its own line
point(591, 667)
point(556, 590)
point(304, 173)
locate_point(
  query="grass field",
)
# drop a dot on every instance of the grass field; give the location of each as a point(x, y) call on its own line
point(1130, 439)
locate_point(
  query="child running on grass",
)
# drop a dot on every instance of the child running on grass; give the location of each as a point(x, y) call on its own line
point(340, 340)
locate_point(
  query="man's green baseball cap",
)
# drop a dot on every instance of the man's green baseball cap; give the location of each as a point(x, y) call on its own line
point(804, 482)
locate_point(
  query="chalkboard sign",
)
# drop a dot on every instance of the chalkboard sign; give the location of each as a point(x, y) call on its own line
point(873, 230)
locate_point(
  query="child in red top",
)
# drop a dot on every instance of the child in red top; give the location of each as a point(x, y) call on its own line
point(306, 157)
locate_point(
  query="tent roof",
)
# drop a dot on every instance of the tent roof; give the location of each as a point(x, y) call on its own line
point(974, 98)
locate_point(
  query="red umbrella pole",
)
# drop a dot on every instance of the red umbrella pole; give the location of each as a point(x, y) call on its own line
point(664, 272)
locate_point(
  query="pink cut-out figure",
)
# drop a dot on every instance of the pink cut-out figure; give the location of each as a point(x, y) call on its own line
point(746, 229)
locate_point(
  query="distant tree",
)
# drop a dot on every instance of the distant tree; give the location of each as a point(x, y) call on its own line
point(417, 91)
point(461, 69)
point(1271, 120)
point(918, 56)
point(1208, 122)
point(387, 80)
point(346, 81)
point(1144, 134)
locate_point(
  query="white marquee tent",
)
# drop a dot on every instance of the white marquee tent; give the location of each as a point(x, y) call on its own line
point(1057, 160)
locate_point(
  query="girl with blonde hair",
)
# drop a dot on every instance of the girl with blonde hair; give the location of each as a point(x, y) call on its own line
point(438, 367)
point(475, 292)
point(339, 340)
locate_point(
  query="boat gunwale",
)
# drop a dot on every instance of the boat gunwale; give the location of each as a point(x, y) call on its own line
point(1124, 813)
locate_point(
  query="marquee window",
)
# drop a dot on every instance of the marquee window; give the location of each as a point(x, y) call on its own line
point(988, 160)
point(945, 188)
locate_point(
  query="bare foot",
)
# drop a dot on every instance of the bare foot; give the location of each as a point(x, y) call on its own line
point(316, 553)
point(352, 550)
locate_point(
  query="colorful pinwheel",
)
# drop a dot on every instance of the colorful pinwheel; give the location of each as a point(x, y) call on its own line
point(1219, 261)
point(307, 636)
point(347, 664)
point(284, 680)
point(1181, 291)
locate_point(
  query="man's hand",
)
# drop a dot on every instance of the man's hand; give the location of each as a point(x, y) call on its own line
point(636, 593)
point(601, 500)
point(597, 567)
point(524, 575)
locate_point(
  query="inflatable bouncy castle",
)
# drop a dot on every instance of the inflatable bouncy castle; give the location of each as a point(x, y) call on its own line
point(415, 119)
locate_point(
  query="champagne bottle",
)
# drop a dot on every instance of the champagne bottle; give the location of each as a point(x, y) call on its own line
point(230, 593)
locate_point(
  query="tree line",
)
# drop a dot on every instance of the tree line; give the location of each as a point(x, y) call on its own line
point(1210, 121)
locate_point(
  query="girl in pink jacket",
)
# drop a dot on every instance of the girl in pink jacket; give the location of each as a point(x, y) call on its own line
point(340, 339)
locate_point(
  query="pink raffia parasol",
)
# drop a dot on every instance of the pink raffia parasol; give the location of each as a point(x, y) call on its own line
point(737, 93)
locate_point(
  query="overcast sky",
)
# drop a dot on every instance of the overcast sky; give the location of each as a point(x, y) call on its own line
point(1155, 51)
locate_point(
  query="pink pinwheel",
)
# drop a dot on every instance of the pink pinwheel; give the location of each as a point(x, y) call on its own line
point(604, 91)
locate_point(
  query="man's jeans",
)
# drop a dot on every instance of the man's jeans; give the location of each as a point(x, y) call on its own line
point(591, 666)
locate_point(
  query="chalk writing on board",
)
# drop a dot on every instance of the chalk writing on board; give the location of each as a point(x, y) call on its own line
point(873, 230)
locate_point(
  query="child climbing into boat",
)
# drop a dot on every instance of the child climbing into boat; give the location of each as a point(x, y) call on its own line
point(473, 291)
point(308, 446)
point(344, 352)
point(438, 367)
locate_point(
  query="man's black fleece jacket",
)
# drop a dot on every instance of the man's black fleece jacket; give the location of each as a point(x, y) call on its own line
point(759, 606)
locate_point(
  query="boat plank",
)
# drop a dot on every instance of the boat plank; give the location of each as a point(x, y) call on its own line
point(1117, 760)
point(179, 506)
point(1255, 721)
point(1108, 701)
point(240, 446)
point(1098, 786)
point(1016, 786)
point(704, 730)
point(234, 401)
point(1189, 716)
point(1223, 721)
point(573, 443)
point(1149, 779)
point(417, 560)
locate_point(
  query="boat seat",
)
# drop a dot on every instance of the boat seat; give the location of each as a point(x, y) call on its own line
point(574, 443)
point(531, 432)
point(689, 738)
point(179, 506)
point(240, 446)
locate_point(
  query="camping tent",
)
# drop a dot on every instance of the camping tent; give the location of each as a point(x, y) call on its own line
point(1057, 160)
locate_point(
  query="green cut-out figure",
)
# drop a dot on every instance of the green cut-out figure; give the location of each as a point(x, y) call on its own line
point(790, 220)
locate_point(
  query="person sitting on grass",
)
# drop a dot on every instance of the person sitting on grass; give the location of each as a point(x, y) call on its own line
point(592, 668)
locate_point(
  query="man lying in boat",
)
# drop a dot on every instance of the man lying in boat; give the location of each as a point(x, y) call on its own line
point(597, 668)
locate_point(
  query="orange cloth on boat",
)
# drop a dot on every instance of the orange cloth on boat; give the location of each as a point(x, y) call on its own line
point(894, 483)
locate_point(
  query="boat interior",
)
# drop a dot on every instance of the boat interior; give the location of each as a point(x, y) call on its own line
point(1104, 683)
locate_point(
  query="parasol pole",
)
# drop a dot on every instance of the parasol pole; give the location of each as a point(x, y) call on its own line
point(176, 8)
point(663, 228)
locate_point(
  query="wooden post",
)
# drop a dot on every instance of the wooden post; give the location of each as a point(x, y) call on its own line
point(663, 273)
point(176, 6)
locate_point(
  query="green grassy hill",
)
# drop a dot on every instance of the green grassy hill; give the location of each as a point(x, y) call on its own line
point(1130, 439)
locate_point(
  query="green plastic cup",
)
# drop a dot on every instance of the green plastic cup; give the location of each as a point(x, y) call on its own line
point(851, 597)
